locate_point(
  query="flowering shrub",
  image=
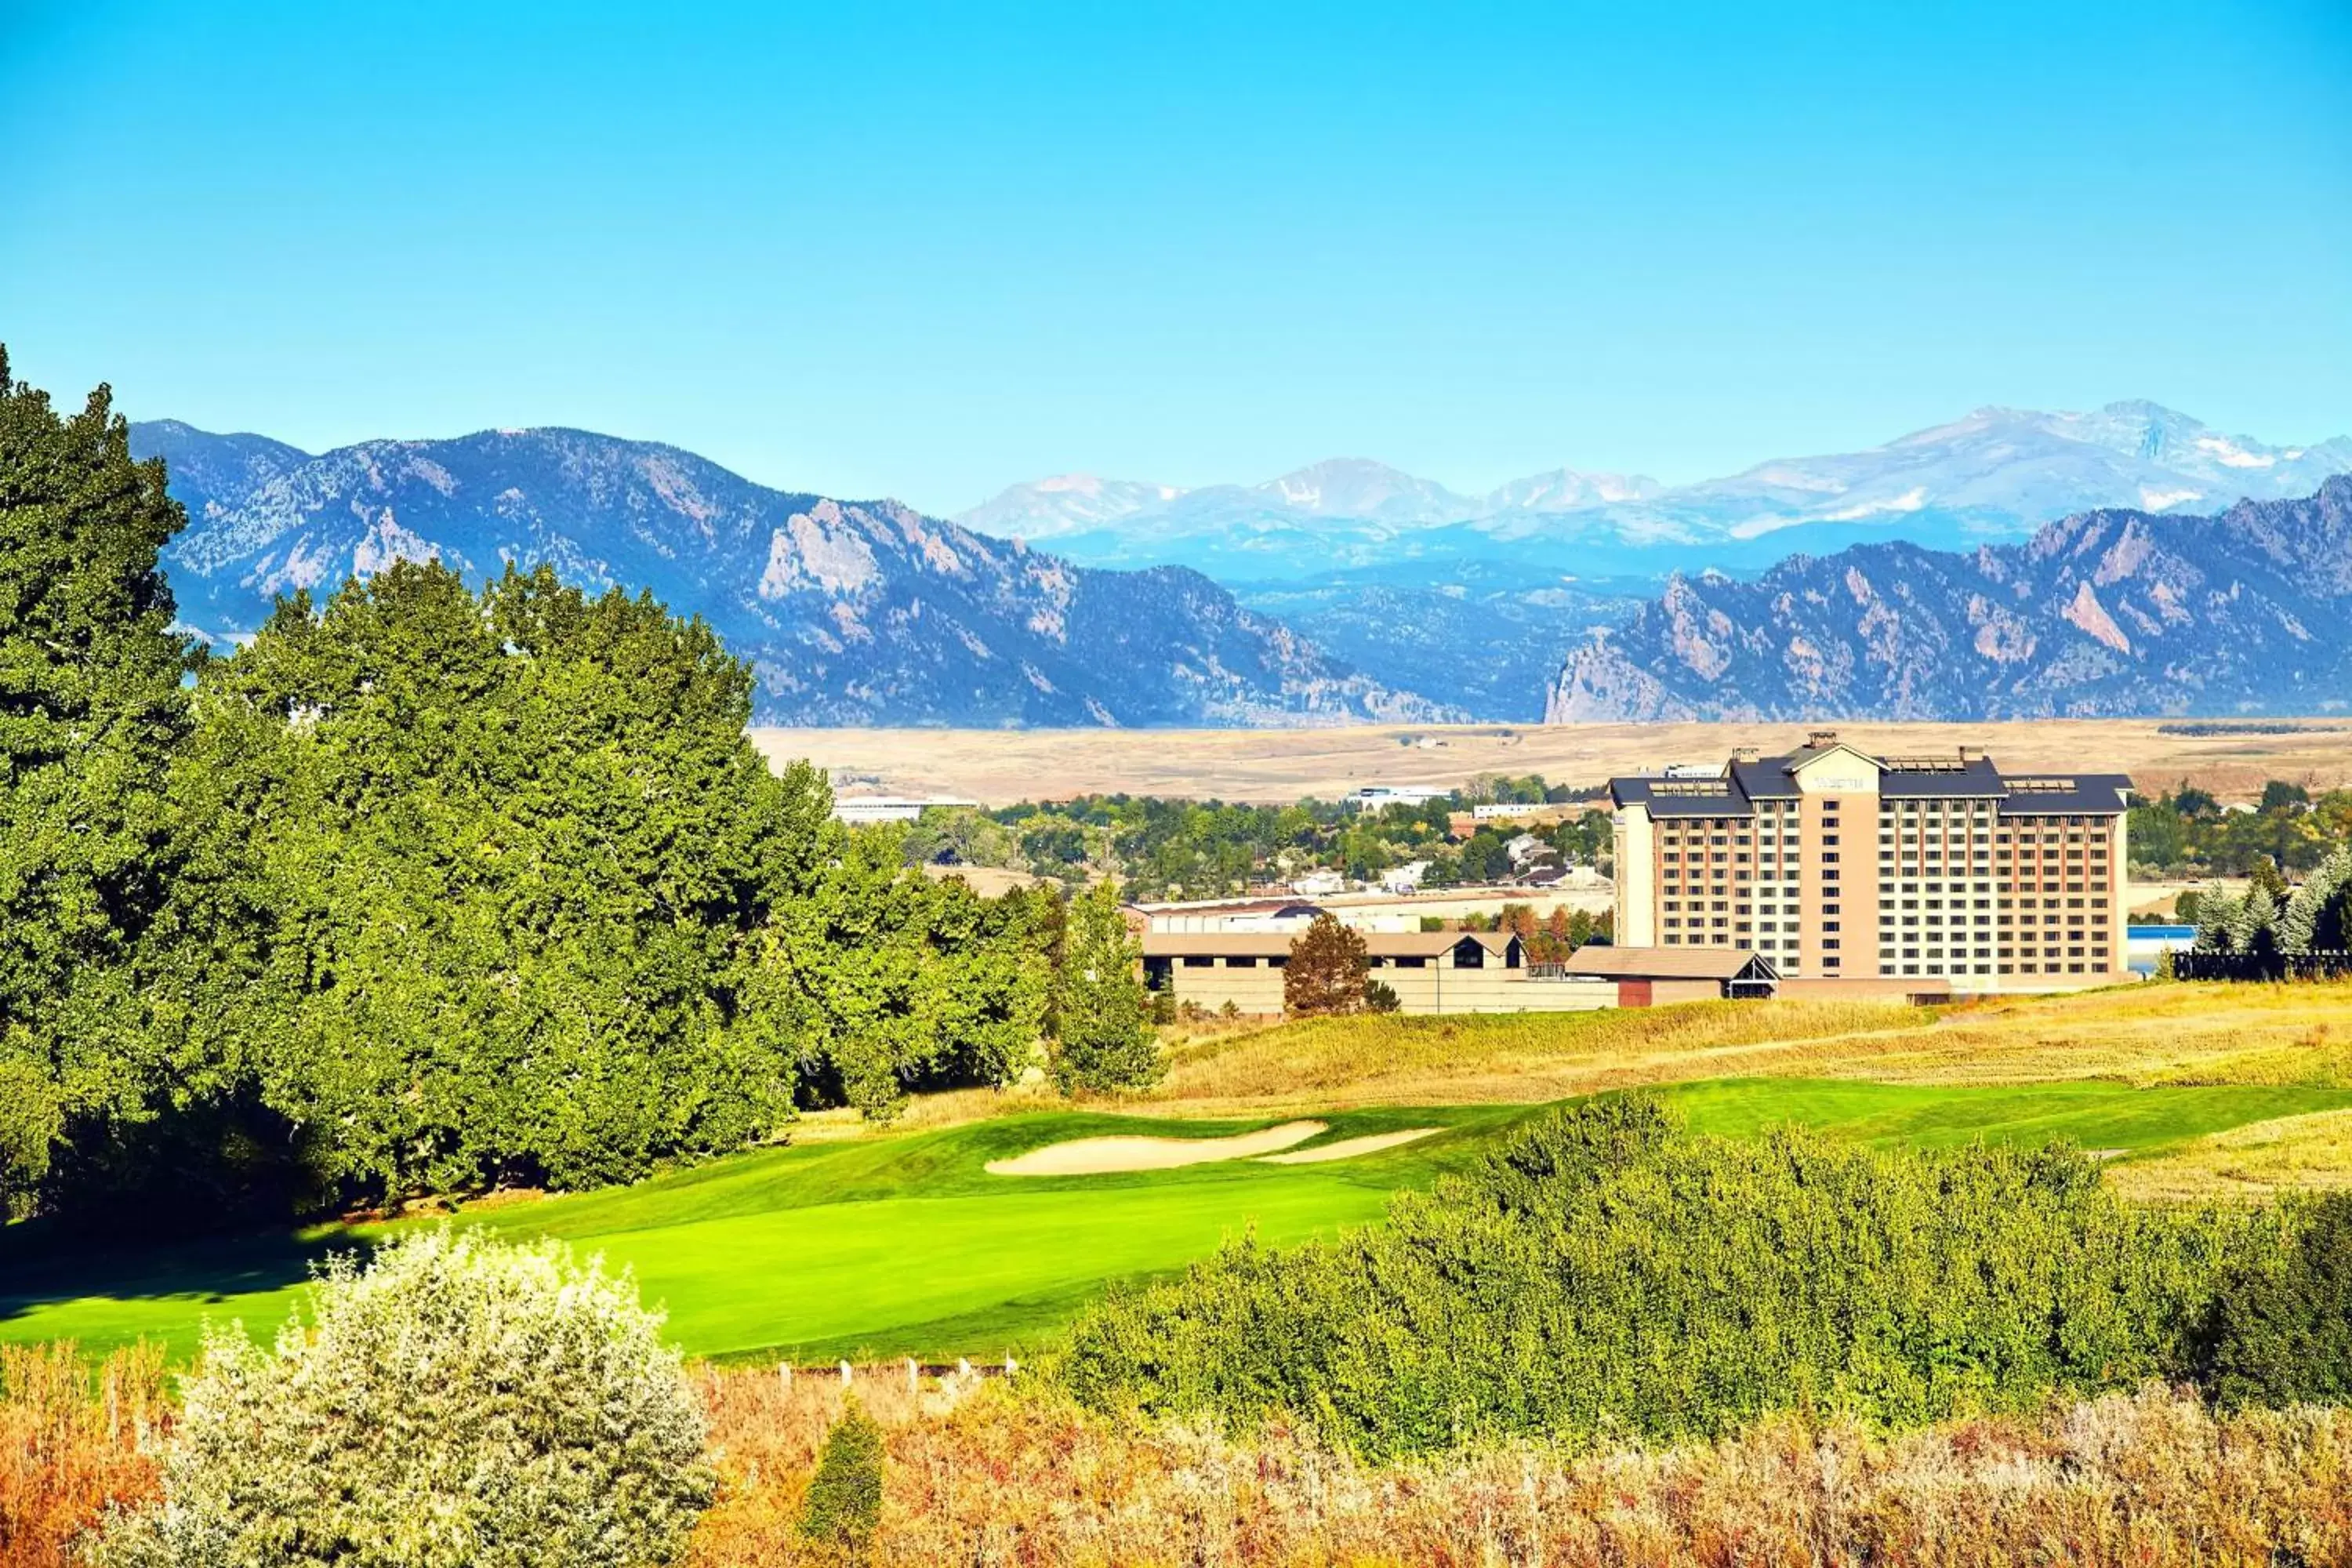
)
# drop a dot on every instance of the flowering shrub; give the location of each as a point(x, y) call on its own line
point(457, 1402)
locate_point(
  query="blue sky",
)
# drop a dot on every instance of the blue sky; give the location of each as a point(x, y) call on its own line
point(928, 250)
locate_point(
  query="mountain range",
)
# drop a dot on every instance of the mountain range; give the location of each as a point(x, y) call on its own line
point(2109, 611)
point(848, 612)
point(1997, 474)
point(1907, 580)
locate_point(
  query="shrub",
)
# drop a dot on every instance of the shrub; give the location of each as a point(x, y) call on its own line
point(843, 1505)
point(1604, 1276)
point(1380, 996)
point(455, 1403)
point(72, 1445)
point(2282, 1332)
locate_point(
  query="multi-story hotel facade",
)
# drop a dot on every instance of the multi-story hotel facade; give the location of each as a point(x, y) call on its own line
point(1834, 864)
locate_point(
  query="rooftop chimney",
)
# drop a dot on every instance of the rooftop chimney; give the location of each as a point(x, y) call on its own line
point(1746, 755)
point(1820, 739)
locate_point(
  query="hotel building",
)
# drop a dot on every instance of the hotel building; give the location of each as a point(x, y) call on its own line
point(1836, 865)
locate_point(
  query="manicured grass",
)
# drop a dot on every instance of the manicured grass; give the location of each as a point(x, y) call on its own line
point(883, 1247)
point(905, 1245)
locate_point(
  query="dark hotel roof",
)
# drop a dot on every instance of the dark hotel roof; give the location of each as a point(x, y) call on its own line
point(1951, 777)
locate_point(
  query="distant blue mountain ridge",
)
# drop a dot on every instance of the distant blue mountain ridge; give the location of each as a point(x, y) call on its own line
point(1344, 592)
point(848, 612)
point(1997, 474)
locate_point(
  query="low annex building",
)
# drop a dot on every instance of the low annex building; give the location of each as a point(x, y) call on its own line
point(1838, 866)
point(1652, 976)
point(1431, 972)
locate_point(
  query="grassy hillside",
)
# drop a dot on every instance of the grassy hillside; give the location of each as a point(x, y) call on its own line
point(2131, 1034)
point(904, 1244)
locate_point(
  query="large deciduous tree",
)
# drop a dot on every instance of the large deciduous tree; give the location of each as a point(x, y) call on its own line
point(511, 856)
point(885, 979)
point(91, 704)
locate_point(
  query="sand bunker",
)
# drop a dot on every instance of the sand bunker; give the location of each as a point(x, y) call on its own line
point(1348, 1147)
point(1104, 1156)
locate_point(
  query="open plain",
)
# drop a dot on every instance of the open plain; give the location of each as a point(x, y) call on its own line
point(998, 767)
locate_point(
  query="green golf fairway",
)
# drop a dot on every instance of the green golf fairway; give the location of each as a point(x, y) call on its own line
point(906, 1245)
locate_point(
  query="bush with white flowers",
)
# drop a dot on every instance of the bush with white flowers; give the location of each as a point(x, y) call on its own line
point(457, 1403)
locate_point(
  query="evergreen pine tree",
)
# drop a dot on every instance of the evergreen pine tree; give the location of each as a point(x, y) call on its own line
point(2216, 920)
point(1103, 1036)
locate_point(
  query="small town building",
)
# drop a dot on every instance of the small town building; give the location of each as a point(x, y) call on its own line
point(1215, 915)
point(861, 808)
point(1431, 972)
point(1372, 798)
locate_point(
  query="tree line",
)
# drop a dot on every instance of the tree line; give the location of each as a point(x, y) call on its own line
point(428, 889)
point(1170, 848)
point(2271, 918)
point(2186, 832)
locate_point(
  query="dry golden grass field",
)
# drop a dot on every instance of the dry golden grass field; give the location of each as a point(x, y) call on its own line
point(997, 767)
point(2248, 1036)
point(2140, 1035)
point(2251, 1036)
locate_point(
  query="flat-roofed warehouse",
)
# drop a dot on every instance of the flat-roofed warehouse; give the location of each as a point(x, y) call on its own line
point(1431, 972)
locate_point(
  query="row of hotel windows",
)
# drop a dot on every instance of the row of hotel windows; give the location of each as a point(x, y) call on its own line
point(1671, 855)
point(1888, 917)
point(1680, 888)
point(1907, 811)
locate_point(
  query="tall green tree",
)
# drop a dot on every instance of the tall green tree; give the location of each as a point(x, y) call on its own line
point(91, 709)
point(885, 979)
point(1103, 1035)
point(510, 857)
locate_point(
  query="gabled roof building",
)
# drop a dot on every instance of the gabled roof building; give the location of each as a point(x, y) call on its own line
point(1835, 863)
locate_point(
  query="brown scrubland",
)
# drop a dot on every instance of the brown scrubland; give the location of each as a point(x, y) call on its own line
point(996, 1474)
point(1007, 1477)
point(2144, 1034)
